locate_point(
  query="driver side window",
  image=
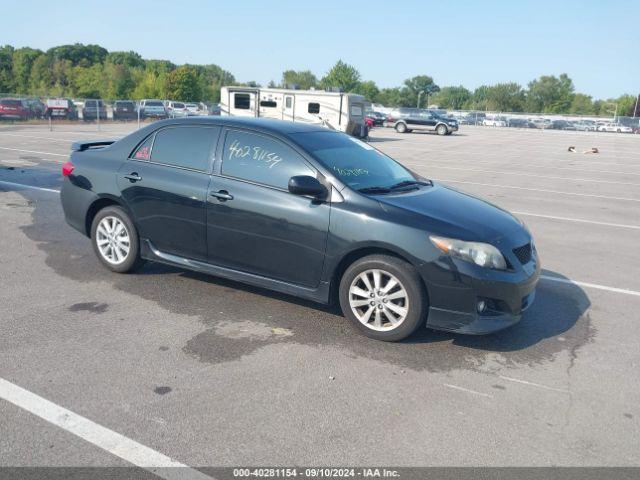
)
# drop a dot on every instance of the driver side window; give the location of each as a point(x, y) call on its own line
point(261, 159)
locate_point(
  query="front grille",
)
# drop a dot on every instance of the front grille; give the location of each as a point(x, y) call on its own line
point(523, 253)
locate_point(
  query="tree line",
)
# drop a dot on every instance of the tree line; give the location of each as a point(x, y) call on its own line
point(90, 71)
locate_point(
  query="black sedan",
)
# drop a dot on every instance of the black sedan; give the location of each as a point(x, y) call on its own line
point(305, 211)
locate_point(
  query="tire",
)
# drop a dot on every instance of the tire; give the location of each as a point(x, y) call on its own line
point(441, 129)
point(129, 262)
point(410, 297)
point(401, 127)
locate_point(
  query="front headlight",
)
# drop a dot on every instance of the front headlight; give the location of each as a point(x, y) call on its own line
point(482, 254)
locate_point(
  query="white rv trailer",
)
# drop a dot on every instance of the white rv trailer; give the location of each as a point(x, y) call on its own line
point(335, 110)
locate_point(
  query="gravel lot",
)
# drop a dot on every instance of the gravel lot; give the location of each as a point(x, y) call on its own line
point(209, 372)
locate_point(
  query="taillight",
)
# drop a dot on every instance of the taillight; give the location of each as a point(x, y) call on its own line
point(67, 169)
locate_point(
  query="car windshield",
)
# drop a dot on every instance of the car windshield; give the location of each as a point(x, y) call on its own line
point(153, 104)
point(353, 161)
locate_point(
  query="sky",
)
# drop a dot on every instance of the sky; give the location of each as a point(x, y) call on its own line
point(460, 42)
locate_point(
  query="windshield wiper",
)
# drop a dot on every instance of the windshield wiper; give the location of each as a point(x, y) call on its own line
point(376, 189)
point(409, 183)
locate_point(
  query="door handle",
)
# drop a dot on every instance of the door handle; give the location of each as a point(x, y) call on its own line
point(133, 177)
point(222, 195)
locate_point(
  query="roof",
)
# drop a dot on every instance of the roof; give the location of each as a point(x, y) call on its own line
point(264, 124)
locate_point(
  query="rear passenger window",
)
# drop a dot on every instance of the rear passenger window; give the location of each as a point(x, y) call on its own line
point(313, 108)
point(143, 152)
point(187, 147)
point(261, 159)
point(242, 101)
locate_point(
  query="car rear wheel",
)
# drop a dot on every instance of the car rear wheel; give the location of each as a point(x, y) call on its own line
point(115, 240)
point(401, 127)
point(383, 297)
point(442, 129)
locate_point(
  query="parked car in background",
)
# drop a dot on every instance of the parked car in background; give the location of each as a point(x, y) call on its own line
point(124, 110)
point(176, 109)
point(94, 108)
point(306, 227)
point(585, 125)
point(35, 106)
point(472, 118)
point(152, 109)
point(193, 109)
point(60, 108)
point(214, 109)
point(406, 120)
point(377, 118)
point(517, 122)
point(562, 125)
point(541, 123)
point(615, 127)
point(13, 109)
point(495, 121)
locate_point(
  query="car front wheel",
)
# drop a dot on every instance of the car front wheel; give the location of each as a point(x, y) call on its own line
point(383, 297)
point(115, 240)
point(441, 129)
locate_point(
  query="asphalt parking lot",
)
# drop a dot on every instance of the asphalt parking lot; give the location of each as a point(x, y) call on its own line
point(209, 372)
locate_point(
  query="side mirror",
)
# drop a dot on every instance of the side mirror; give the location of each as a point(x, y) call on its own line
point(307, 185)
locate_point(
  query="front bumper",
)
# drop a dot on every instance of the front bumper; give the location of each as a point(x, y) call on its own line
point(456, 287)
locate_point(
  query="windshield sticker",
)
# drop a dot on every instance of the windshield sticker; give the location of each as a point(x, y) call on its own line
point(364, 145)
point(351, 172)
point(271, 159)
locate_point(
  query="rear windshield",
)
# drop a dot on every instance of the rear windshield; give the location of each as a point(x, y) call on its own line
point(178, 105)
point(124, 104)
point(154, 104)
point(10, 103)
point(355, 162)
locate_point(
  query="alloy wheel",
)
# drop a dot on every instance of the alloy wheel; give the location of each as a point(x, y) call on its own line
point(378, 300)
point(112, 239)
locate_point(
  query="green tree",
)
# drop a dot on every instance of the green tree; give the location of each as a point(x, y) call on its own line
point(369, 90)
point(127, 59)
point(79, 54)
point(505, 97)
point(23, 60)
point(581, 104)
point(304, 79)
point(88, 82)
point(6, 69)
point(452, 97)
point(626, 104)
point(390, 97)
point(183, 84)
point(550, 94)
point(343, 76)
point(420, 85)
point(41, 77)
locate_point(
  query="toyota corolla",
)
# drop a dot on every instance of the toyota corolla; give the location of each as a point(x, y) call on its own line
point(306, 211)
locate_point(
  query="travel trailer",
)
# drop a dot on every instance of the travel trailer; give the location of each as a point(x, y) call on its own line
point(335, 110)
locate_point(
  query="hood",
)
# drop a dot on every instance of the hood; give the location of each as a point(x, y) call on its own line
point(448, 212)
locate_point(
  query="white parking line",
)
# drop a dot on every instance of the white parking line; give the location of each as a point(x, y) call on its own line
point(31, 137)
point(626, 199)
point(590, 285)
point(33, 151)
point(579, 220)
point(108, 440)
point(553, 177)
point(531, 384)
point(462, 389)
point(22, 185)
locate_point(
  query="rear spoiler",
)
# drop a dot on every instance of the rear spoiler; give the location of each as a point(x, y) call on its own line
point(82, 146)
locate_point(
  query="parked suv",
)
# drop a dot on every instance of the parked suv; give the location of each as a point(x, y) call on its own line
point(13, 109)
point(124, 110)
point(406, 120)
point(93, 108)
point(152, 109)
point(306, 211)
point(177, 109)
